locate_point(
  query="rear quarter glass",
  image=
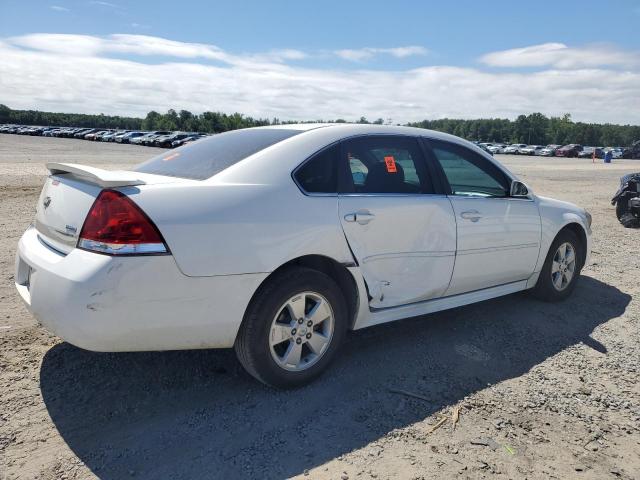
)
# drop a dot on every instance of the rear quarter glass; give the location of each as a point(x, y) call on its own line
point(207, 157)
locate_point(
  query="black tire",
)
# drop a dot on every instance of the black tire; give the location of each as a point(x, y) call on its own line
point(252, 343)
point(629, 220)
point(621, 207)
point(545, 289)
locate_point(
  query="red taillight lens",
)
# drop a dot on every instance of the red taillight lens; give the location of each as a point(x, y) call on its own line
point(117, 226)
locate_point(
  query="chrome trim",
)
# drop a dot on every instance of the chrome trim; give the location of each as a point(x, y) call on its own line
point(57, 235)
point(472, 251)
point(50, 246)
point(480, 197)
point(384, 256)
point(403, 195)
point(123, 249)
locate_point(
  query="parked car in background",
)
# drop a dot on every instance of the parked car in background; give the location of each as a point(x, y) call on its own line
point(107, 136)
point(632, 152)
point(530, 150)
point(185, 141)
point(513, 148)
point(85, 131)
point(549, 150)
point(92, 136)
point(250, 239)
point(482, 146)
point(587, 152)
point(496, 148)
point(50, 132)
point(570, 150)
point(127, 137)
point(165, 141)
point(150, 140)
point(616, 152)
point(147, 138)
point(137, 140)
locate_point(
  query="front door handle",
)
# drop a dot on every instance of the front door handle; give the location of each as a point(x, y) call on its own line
point(472, 215)
point(361, 216)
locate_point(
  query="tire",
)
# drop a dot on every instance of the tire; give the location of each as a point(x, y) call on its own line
point(546, 288)
point(621, 207)
point(629, 220)
point(269, 316)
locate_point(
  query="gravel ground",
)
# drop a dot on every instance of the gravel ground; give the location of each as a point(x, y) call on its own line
point(542, 390)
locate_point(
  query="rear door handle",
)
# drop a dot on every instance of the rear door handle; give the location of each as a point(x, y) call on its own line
point(472, 215)
point(361, 216)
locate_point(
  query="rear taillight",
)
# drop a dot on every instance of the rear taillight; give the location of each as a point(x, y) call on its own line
point(115, 225)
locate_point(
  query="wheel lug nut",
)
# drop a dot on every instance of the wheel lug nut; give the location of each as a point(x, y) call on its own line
point(309, 323)
point(300, 320)
point(298, 340)
point(308, 336)
point(293, 332)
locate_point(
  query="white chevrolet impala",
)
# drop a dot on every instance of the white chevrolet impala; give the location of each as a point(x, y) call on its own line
point(277, 240)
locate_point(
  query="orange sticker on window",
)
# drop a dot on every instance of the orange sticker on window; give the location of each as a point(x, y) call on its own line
point(391, 164)
point(171, 157)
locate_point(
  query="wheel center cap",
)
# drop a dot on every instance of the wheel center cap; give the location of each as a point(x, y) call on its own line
point(302, 331)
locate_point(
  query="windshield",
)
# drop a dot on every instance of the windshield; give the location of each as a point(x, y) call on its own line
point(207, 157)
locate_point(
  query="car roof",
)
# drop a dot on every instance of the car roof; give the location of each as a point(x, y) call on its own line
point(343, 130)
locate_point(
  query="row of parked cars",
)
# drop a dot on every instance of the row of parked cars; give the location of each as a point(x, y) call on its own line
point(165, 139)
point(571, 150)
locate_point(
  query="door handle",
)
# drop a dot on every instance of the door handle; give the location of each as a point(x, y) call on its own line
point(472, 215)
point(361, 216)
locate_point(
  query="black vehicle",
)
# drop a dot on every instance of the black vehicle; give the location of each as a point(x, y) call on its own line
point(587, 152)
point(184, 141)
point(571, 150)
point(633, 152)
point(627, 200)
point(166, 141)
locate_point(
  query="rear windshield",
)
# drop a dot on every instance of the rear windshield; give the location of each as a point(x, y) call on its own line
point(207, 157)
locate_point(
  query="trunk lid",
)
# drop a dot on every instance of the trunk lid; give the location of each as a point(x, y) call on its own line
point(69, 193)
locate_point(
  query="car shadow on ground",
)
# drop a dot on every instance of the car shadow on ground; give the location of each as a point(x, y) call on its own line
point(196, 414)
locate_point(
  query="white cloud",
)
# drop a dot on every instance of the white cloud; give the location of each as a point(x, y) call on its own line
point(58, 8)
point(361, 54)
point(74, 73)
point(559, 55)
point(104, 4)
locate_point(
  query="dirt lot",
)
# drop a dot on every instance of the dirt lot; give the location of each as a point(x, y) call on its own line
point(543, 390)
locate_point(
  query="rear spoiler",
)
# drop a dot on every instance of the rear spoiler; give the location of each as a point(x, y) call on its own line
point(98, 176)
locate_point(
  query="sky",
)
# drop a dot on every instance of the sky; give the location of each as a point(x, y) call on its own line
point(397, 60)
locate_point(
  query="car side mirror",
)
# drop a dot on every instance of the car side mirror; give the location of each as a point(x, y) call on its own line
point(518, 190)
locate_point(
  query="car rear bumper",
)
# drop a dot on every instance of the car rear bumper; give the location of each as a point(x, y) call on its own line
point(105, 303)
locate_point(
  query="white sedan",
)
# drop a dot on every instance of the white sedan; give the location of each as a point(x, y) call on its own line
point(278, 240)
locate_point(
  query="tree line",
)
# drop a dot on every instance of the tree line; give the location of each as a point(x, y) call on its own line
point(535, 128)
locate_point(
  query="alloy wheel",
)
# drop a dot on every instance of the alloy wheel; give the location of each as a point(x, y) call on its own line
point(563, 266)
point(301, 331)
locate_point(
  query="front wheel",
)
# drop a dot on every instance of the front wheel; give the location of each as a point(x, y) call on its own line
point(292, 328)
point(561, 268)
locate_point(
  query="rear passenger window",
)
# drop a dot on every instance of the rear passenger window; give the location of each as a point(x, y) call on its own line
point(385, 164)
point(319, 173)
point(468, 173)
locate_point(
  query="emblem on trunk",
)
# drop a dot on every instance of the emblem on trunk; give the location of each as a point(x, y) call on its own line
point(47, 202)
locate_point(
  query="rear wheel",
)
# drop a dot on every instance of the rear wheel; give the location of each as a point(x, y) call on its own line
point(292, 328)
point(561, 268)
